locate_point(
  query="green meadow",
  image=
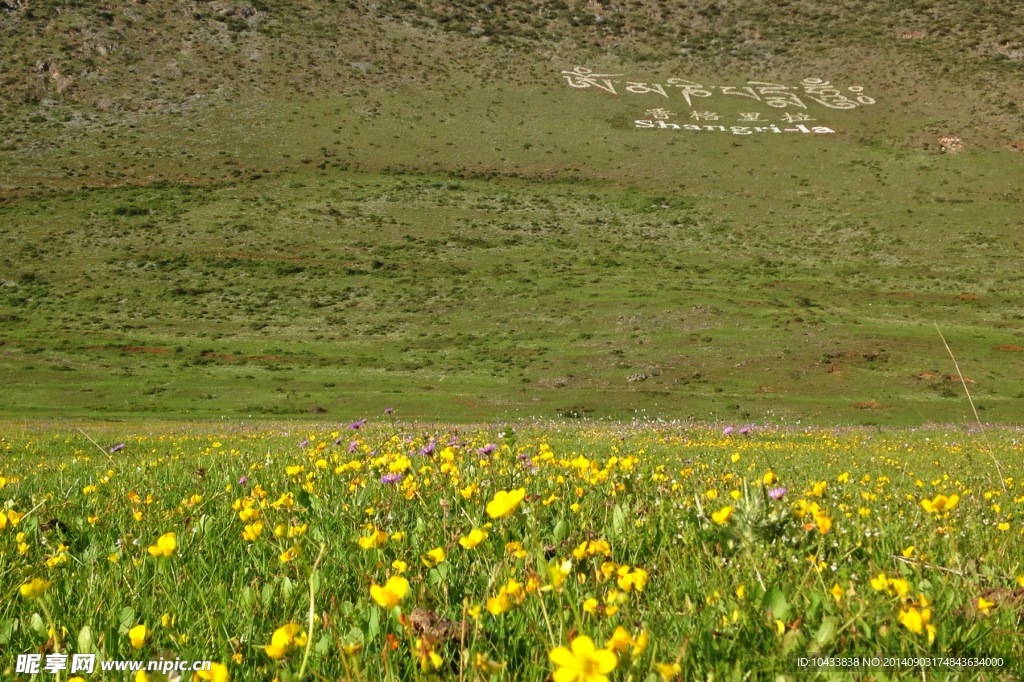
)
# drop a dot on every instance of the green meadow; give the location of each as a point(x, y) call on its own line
point(242, 211)
point(673, 324)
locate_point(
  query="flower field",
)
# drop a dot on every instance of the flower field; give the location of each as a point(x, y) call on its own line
point(567, 551)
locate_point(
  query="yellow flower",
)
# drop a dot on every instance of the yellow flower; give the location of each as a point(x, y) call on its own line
point(515, 549)
point(392, 593)
point(252, 531)
point(880, 583)
point(510, 594)
point(284, 639)
point(668, 671)
point(940, 503)
point(165, 546)
point(34, 588)
point(373, 540)
point(433, 557)
point(558, 571)
point(1004, 526)
point(399, 565)
point(138, 636)
point(722, 516)
point(167, 620)
point(620, 640)
point(429, 659)
point(837, 593)
point(218, 672)
point(769, 478)
point(900, 586)
point(985, 606)
point(475, 537)
point(505, 502)
point(590, 605)
point(918, 622)
point(289, 554)
point(908, 552)
point(632, 580)
point(583, 662)
point(640, 643)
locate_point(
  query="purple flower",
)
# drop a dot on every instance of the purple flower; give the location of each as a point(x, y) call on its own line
point(487, 449)
point(352, 446)
point(356, 425)
point(389, 410)
point(243, 480)
point(428, 449)
point(745, 430)
point(338, 440)
point(777, 493)
point(304, 443)
point(391, 479)
point(118, 448)
point(454, 442)
point(727, 431)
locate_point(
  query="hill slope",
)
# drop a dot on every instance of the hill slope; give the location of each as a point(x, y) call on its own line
point(226, 208)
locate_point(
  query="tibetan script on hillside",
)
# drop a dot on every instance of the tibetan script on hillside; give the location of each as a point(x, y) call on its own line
point(775, 95)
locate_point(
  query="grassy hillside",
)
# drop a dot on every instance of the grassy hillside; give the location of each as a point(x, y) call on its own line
point(225, 209)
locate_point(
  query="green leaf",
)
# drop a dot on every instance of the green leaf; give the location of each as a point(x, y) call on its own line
point(85, 643)
point(775, 601)
point(203, 525)
point(36, 625)
point(826, 631)
point(373, 624)
point(354, 635)
point(561, 531)
point(247, 597)
point(302, 497)
point(267, 594)
point(323, 645)
point(433, 578)
point(125, 620)
point(7, 628)
point(618, 519)
point(287, 587)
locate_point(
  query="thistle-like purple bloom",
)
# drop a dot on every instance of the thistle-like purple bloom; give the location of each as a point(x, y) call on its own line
point(356, 425)
point(391, 479)
point(428, 449)
point(777, 493)
point(243, 480)
point(118, 448)
point(487, 449)
point(727, 431)
point(304, 443)
point(389, 410)
point(745, 430)
point(352, 446)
